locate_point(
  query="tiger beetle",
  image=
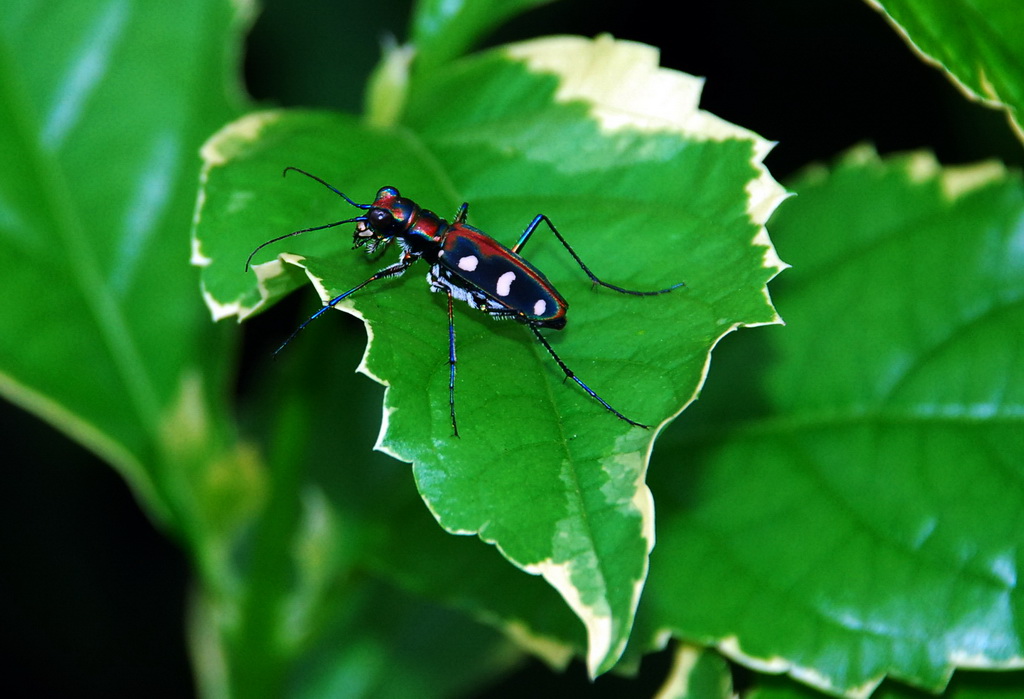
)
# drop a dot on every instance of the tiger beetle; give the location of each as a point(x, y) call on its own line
point(466, 264)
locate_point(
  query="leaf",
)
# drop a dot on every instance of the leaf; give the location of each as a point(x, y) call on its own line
point(442, 29)
point(964, 685)
point(96, 191)
point(975, 42)
point(844, 504)
point(407, 549)
point(378, 643)
point(697, 674)
point(648, 190)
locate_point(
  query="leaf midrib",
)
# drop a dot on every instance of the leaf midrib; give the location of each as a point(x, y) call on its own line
point(45, 172)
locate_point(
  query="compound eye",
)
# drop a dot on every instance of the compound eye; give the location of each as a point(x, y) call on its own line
point(380, 219)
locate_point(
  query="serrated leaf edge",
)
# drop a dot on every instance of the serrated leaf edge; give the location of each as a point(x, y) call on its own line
point(218, 151)
point(626, 88)
point(991, 98)
point(955, 181)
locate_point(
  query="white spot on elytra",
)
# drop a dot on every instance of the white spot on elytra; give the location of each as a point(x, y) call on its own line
point(505, 283)
point(468, 263)
point(539, 307)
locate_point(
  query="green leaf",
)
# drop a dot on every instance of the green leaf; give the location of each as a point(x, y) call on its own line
point(443, 30)
point(406, 547)
point(378, 643)
point(844, 504)
point(964, 685)
point(977, 43)
point(648, 190)
point(697, 674)
point(99, 133)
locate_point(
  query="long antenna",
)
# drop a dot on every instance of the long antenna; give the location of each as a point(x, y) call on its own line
point(331, 187)
point(284, 173)
point(304, 230)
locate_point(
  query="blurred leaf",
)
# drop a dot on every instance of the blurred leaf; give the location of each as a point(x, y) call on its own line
point(99, 132)
point(697, 674)
point(303, 613)
point(964, 685)
point(648, 189)
point(976, 42)
point(444, 29)
point(378, 643)
point(387, 645)
point(844, 503)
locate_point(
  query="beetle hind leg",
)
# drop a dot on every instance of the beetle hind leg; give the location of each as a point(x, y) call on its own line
point(525, 237)
point(569, 374)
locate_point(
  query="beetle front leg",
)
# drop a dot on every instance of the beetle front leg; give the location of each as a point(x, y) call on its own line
point(394, 270)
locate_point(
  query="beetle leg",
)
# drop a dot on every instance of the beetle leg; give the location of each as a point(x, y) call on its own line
point(451, 360)
point(525, 237)
point(570, 375)
point(393, 271)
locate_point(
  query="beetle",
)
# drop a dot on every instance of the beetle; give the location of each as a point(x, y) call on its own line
point(465, 264)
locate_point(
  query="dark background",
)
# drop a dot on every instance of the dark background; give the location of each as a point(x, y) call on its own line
point(92, 598)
